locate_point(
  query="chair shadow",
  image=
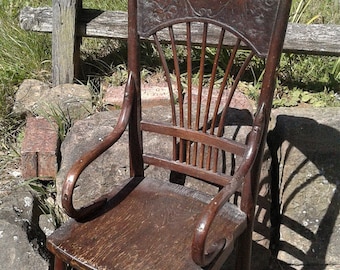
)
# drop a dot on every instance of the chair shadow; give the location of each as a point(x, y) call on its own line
point(319, 145)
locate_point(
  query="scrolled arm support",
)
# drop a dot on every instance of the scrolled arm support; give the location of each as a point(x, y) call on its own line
point(87, 158)
point(200, 254)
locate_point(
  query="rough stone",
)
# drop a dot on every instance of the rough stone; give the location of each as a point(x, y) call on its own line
point(46, 224)
point(67, 101)
point(30, 92)
point(307, 146)
point(82, 137)
point(21, 240)
point(19, 253)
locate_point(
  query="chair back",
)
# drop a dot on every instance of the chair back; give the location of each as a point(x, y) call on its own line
point(206, 48)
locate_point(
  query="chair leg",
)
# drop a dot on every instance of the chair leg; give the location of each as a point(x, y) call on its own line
point(59, 264)
point(244, 250)
point(248, 204)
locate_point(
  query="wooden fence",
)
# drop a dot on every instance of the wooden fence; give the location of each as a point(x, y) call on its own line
point(69, 22)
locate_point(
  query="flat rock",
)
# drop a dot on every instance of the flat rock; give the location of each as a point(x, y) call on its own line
point(21, 243)
point(307, 146)
point(66, 101)
point(103, 172)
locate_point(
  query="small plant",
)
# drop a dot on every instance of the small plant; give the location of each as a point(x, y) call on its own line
point(21, 58)
point(45, 192)
point(310, 72)
point(336, 70)
point(286, 97)
point(61, 117)
point(119, 75)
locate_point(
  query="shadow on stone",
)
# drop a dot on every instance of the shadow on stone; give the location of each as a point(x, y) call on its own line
point(305, 192)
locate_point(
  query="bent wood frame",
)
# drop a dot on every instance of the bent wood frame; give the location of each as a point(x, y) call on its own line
point(266, 41)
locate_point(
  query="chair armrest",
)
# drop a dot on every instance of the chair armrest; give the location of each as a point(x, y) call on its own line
point(200, 254)
point(90, 156)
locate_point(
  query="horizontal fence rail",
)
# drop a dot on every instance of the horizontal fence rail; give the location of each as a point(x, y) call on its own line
point(313, 39)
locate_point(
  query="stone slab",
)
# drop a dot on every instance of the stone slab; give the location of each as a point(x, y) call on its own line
point(306, 143)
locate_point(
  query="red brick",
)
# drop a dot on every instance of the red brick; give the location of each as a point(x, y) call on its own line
point(151, 96)
point(39, 149)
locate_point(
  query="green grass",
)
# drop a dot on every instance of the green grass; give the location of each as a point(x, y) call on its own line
point(312, 11)
point(106, 4)
point(23, 55)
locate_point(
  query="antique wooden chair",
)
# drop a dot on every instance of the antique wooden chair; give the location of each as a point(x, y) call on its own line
point(164, 223)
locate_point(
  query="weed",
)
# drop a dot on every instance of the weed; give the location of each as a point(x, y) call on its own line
point(300, 11)
point(119, 76)
point(312, 73)
point(336, 70)
point(45, 192)
point(286, 97)
point(62, 118)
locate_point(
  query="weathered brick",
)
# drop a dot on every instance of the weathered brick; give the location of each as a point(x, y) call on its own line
point(39, 151)
point(151, 96)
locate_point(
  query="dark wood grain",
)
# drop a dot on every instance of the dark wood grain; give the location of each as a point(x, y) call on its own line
point(158, 208)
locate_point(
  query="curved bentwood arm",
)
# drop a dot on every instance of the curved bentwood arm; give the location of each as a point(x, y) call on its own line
point(87, 158)
point(200, 254)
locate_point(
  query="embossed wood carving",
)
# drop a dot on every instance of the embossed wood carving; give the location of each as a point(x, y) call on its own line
point(244, 18)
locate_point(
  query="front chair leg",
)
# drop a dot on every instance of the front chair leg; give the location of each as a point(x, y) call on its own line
point(59, 264)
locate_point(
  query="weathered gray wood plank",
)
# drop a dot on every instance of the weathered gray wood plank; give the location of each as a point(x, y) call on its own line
point(318, 39)
point(300, 38)
point(63, 35)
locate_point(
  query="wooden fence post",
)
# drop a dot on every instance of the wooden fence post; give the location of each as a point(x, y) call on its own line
point(65, 43)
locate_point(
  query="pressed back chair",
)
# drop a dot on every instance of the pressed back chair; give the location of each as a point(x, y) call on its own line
point(156, 223)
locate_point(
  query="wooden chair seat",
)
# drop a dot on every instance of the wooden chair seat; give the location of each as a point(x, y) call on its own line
point(135, 232)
